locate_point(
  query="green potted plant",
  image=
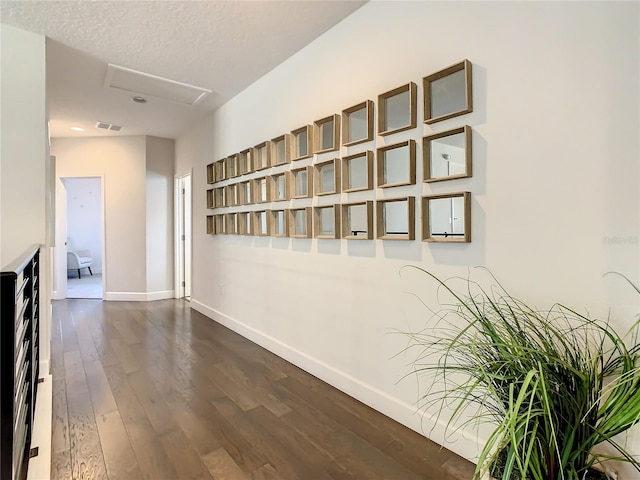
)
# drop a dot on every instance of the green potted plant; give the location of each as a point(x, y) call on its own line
point(556, 383)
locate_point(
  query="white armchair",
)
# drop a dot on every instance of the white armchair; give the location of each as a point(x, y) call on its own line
point(78, 260)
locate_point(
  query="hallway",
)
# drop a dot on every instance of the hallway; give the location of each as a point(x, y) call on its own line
point(155, 390)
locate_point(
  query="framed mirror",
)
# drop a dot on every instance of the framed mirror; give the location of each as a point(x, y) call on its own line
point(261, 223)
point(245, 225)
point(278, 186)
point(301, 182)
point(357, 220)
point(397, 109)
point(327, 177)
point(326, 221)
point(219, 169)
point(231, 195)
point(219, 197)
point(210, 199)
point(231, 220)
point(448, 93)
point(357, 172)
point(244, 193)
point(261, 156)
point(447, 218)
point(326, 134)
point(219, 224)
point(395, 219)
point(300, 223)
point(260, 190)
point(302, 143)
point(245, 164)
point(232, 166)
point(211, 174)
point(447, 155)
point(278, 220)
point(397, 164)
point(280, 150)
point(211, 225)
point(357, 124)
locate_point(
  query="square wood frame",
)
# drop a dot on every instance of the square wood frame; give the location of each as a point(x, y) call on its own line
point(257, 225)
point(317, 178)
point(256, 190)
point(426, 84)
point(231, 195)
point(245, 223)
point(256, 157)
point(219, 224)
point(231, 166)
point(231, 220)
point(381, 162)
point(426, 154)
point(211, 225)
point(219, 197)
point(220, 170)
point(346, 137)
point(292, 224)
point(242, 197)
point(426, 229)
point(344, 221)
point(245, 162)
point(317, 133)
point(211, 173)
point(411, 217)
point(210, 199)
point(273, 230)
point(369, 171)
point(307, 130)
point(273, 187)
point(382, 108)
point(292, 182)
point(316, 221)
point(286, 139)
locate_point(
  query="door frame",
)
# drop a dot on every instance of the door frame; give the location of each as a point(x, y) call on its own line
point(183, 234)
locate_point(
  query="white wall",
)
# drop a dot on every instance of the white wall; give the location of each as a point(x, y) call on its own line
point(159, 218)
point(84, 217)
point(122, 161)
point(555, 191)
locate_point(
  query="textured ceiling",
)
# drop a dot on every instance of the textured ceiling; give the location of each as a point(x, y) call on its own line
point(223, 46)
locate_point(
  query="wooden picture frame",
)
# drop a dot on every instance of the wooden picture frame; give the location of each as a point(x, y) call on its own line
point(245, 163)
point(300, 222)
point(231, 195)
point(281, 150)
point(210, 199)
point(211, 174)
point(326, 134)
point(326, 221)
point(357, 124)
point(220, 225)
point(326, 177)
point(211, 225)
point(279, 187)
point(357, 224)
point(357, 172)
point(395, 221)
point(219, 197)
point(219, 170)
point(261, 223)
point(261, 156)
point(397, 109)
point(245, 223)
point(447, 226)
point(231, 166)
point(245, 196)
point(279, 224)
point(396, 164)
point(302, 143)
point(260, 190)
point(447, 155)
point(301, 182)
point(231, 220)
point(448, 93)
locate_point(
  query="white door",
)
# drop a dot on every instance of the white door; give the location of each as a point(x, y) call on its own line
point(183, 236)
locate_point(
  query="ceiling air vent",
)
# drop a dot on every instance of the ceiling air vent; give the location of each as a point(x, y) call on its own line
point(109, 126)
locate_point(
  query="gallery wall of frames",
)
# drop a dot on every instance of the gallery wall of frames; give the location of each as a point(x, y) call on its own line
point(248, 190)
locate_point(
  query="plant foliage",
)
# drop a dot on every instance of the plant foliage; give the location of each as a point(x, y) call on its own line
point(556, 383)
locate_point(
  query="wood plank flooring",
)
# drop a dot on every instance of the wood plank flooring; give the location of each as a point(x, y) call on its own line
point(158, 391)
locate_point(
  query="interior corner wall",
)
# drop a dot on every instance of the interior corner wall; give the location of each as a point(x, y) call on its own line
point(122, 163)
point(160, 156)
point(555, 186)
point(24, 149)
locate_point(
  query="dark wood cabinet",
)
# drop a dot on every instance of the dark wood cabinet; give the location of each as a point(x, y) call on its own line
point(19, 361)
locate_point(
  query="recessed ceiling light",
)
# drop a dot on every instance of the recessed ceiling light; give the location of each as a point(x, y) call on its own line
point(77, 129)
point(139, 99)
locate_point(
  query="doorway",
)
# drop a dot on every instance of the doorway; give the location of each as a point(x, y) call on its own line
point(183, 236)
point(79, 257)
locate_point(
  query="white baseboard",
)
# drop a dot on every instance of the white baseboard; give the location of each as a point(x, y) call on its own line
point(465, 445)
point(138, 296)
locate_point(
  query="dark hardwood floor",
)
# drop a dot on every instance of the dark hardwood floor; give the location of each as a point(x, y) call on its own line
point(158, 391)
